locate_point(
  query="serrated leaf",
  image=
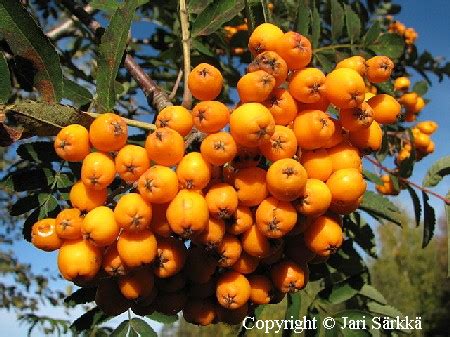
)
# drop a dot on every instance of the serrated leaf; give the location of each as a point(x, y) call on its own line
point(215, 15)
point(326, 64)
point(352, 23)
point(371, 292)
point(420, 88)
point(27, 41)
point(90, 318)
point(292, 310)
point(28, 224)
point(342, 291)
point(47, 204)
point(161, 318)
point(203, 48)
point(303, 18)
point(142, 327)
point(337, 20)
point(380, 207)
point(43, 119)
point(111, 50)
point(24, 205)
point(5, 81)
point(385, 88)
point(121, 330)
point(375, 178)
point(436, 172)
point(429, 220)
point(387, 310)
point(360, 231)
point(416, 204)
point(81, 296)
point(29, 179)
point(315, 27)
point(63, 181)
point(372, 33)
point(76, 93)
point(197, 6)
point(38, 152)
point(388, 44)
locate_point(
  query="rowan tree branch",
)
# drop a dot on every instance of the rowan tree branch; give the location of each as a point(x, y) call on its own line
point(186, 42)
point(155, 96)
point(407, 181)
point(130, 122)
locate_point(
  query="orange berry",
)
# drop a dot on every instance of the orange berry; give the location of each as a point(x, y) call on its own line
point(255, 87)
point(222, 200)
point(263, 38)
point(288, 277)
point(86, 199)
point(170, 258)
point(345, 88)
point(210, 116)
point(313, 128)
point(324, 235)
point(379, 69)
point(44, 236)
point(212, 235)
point(159, 184)
point(427, 127)
point(97, 171)
point(132, 212)
point(357, 118)
point(100, 227)
point(282, 106)
point(369, 139)
point(307, 85)
point(260, 289)
point(271, 63)
point(246, 264)
point(165, 146)
point(275, 218)
point(286, 179)
point(386, 109)
point(159, 225)
point(112, 263)
point(131, 162)
point(357, 63)
point(193, 172)
point(316, 200)
point(175, 117)
point(241, 221)
point(108, 132)
point(402, 83)
point(68, 224)
point(250, 184)
point(295, 49)
point(138, 284)
point(72, 143)
point(205, 82)
point(137, 248)
point(199, 312)
point(255, 243)
point(218, 148)
point(344, 155)
point(233, 290)
point(317, 163)
point(229, 250)
point(346, 185)
point(282, 144)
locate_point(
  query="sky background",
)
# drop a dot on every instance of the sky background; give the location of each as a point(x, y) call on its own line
point(430, 20)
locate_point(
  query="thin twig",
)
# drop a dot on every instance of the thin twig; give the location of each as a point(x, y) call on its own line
point(131, 122)
point(155, 95)
point(65, 25)
point(186, 42)
point(407, 181)
point(176, 85)
point(337, 46)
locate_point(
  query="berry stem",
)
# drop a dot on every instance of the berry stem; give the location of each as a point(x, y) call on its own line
point(407, 181)
point(337, 46)
point(130, 122)
point(186, 43)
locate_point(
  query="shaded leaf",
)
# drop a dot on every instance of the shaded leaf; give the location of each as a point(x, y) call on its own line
point(352, 23)
point(326, 64)
point(24, 205)
point(43, 119)
point(391, 45)
point(375, 178)
point(372, 33)
point(90, 318)
point(28, 42)
point(215, 15)
point(292, 310)
point(29, 179)
point(416, 203)
point(360, 231)
point(111, 50)
point(429, 220)
point(385, 88)
point(76, 93)
point(337, 19)
point(342, 291)
point(5, 81)
point(121, 330)
point(63, 181)
point(28, 224)
point(159, 317)
point(371, 292)
point(81, 296)
point(420, 88)
point(197, 6)
point(384, 309)
point(47, 204)
point(142, 327)
point(447, 211)
point(315, 27)
point(380, 207)
point(38, 152)
point(436, 172)
point(303, 18)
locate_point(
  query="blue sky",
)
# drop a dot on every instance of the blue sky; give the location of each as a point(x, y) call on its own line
point(430, 20)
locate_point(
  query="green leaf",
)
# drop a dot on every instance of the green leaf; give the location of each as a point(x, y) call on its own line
point(142, 327)
point(203, 48)
point(38, 152)
point(89, 319)
point(215, 15)
point(429, 220)
point(111, 50)
point(447, 211)
point(197, 6)
point(360, 231)
point(326, 64)
point(81, 296)
point(303, 18)
point(24, 205)
point(161, 318)
point(28, 224)
point(385, 88)
point(337, 20)
point(352, 23)
point(371, 292)
point(5, 81)
point(372, 177)
point(121, 330)
point(436, 172)
point(76, 93)
point(391, 45)
point(395, 182)
point(372, 33)
point(420, 88)
point(47, 204)
point(416, 203)
point(315, 27)
point(43, 119)
point(292, 310)
point(63, 181)
point(387, 310)
point(406, 167)
point(29, 179)
point(27, 40)
point(342, 291)
point(380, 207)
